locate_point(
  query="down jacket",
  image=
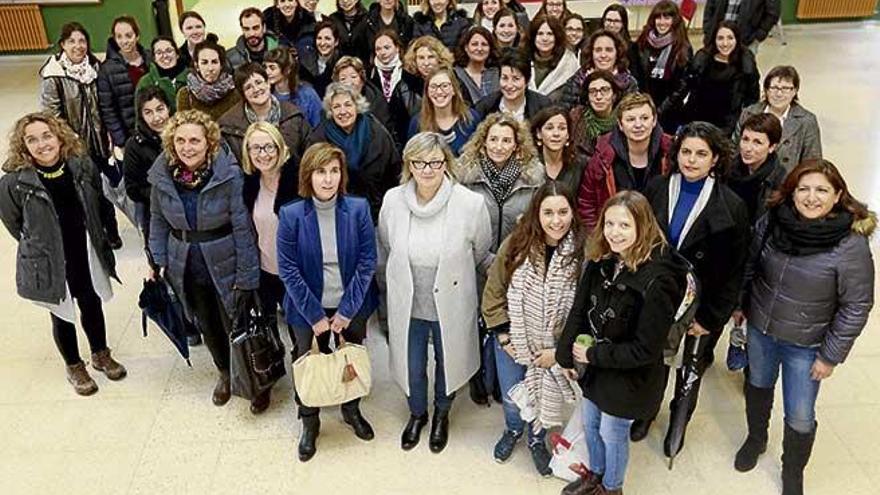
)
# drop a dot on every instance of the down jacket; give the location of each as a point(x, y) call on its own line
point(29, 215)
point(457, 22)
point(116, 93)
point(820, 300)
point(232, 260)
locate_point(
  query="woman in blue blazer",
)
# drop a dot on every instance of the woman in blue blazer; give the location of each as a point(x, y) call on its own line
point(327, 259)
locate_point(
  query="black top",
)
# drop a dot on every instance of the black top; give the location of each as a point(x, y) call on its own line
point(71, 219)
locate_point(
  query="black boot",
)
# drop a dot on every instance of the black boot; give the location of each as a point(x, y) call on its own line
point(639, 429)
point(413, 431)
point(796, 449)
point(478, 390)
point(439, 431)
point(311, 427)
point(352, 417)
point(759, 403)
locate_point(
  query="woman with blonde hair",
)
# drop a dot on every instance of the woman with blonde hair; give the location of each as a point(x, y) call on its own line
point(434, 235)
point(327, 259)
point(624, 305)
point(444, 110)
point(51, 203)
point(441, 19)
point(423, 56)
point(201, 234)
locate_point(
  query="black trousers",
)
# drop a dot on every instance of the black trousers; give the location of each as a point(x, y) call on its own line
point(355, 333)
point(92, 319)
point(271, 292)
point(211, 318)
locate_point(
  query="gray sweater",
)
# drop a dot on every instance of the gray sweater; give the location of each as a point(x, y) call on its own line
point(333, 288)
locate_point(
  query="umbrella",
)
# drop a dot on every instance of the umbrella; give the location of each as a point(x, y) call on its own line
point(158, 302)
point(687, 386)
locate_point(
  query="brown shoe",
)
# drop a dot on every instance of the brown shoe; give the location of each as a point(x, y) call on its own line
point(261, 402)
point(221, 390)
point(103, 362)
point(601, 490)
point(80, 379)
point(585, 485)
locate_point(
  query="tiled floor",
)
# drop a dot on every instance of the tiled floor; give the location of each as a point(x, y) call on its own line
point(157, 431)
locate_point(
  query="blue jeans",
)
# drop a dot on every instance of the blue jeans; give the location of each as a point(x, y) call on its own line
point(799, 390)
point(417, 359)
point(509, 374)
point(607, 440)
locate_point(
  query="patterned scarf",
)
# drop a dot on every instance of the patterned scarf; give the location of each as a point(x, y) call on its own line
point(82, 72)
point(389, 74)
point(538, 305)
point(501, 181)
point(273, 118)
point(665, 44)
point(207, 92)
point(190, 179)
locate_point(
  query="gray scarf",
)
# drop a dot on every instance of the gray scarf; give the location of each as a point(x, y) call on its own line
point(274, 116)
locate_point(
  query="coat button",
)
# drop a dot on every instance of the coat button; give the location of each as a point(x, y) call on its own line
point(436, 291)
point(621, 287)
point(699, 255)
point(455, 282)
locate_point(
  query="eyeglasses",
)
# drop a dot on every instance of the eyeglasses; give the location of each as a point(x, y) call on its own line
point(444, 86)
point(266, 149)
point(603, 91)
point(781, 89)
point(433, 164)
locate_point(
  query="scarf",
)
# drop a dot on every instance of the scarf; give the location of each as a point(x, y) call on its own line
point(591, 126)
point(699, 206)
point(748, 185)
point(82, 72)
point(538, 305)
point(431, 208)
point(664, 44)
point(207, 92)
point(355, 145)
point(501, 181)
point(796, 236)
point(190, 179)
point(172, 72)
point(274, 116)
point(389, 75)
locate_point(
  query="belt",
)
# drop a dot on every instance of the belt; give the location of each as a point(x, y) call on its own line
point(202, 235)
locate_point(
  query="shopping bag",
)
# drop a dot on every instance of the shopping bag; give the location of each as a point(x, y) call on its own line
point(255, 350)
point(323, 380)
point(569, 449)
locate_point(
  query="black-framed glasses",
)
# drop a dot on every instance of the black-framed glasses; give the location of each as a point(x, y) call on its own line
point(268, 149)
point(603, 91)
point(433, 164)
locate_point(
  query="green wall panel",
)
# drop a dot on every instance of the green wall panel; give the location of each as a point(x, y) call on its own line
point(98, 18)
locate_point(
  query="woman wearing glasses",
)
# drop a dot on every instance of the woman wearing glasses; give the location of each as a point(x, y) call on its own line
point(800, 129)
point(445, 111)
point(433, 235)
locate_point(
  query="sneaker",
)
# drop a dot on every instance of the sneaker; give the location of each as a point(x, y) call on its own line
point(505, 445)
point(541, 457)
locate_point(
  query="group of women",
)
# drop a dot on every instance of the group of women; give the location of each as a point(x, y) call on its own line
point(524, 197)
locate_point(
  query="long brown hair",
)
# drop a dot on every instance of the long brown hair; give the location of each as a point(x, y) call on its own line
point(649, 236)
point(527, 238)
point(427, 117)
point(818, 166)
point(680, 45)
point(20, 158)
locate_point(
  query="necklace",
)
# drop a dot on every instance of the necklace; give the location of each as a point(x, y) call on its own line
point(51, 175)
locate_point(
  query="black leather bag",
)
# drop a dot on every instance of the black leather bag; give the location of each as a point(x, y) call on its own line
point(255, 348)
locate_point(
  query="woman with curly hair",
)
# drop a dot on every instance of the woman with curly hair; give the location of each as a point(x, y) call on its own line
point(201, 234)
point(51, 203)
point(602, 51)
point(423, 56)
point(596, 115)
point(445, 111)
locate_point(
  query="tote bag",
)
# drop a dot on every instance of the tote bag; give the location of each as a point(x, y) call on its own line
point(330, 379)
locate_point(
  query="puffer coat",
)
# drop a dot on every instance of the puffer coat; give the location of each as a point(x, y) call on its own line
point(116, 93)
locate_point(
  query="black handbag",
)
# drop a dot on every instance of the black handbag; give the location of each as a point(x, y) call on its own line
point(255, 348)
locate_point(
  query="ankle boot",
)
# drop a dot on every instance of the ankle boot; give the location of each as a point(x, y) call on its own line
point(759, 403)
point(601, 490)
point(103, 362)
point(352, 417)
point(478, 393)
point(585, 485)
point(639, 429)
point(261, 402)
point(221, 389)
point(311, 427)
point(796, 450)
point(439, 431)
point(413, 431)
point(80, 379)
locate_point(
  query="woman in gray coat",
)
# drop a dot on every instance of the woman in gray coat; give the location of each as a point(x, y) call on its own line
point(51, 203)
point(201, 233)
point(810, 290)
point(800, 129)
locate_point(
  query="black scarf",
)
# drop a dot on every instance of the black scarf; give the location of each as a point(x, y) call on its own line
point(748, 185)
point(796, 236)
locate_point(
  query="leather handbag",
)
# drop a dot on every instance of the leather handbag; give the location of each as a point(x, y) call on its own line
point(331, 379)
point(255, 350)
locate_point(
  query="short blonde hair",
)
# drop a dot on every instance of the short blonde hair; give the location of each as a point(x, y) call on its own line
point(275, 134)
point(315, 157)
point(346, 62)
point(444, 56)
point(20, 158)
point(635, 100)
point(195, 117)
point(649, 235)
point(335, 89)
point(420, 145)
point(525, 147)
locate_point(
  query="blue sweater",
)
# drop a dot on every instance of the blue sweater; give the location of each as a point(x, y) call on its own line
point(308, 102)
point(687, 197)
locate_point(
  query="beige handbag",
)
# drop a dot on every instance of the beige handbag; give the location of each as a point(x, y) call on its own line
point(331, 379)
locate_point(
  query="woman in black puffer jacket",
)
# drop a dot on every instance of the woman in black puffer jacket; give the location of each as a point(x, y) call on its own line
point(453, 21)
point(126, 62)
point(810, 288)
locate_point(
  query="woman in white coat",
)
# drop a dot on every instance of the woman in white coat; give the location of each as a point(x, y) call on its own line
point(434, 235)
